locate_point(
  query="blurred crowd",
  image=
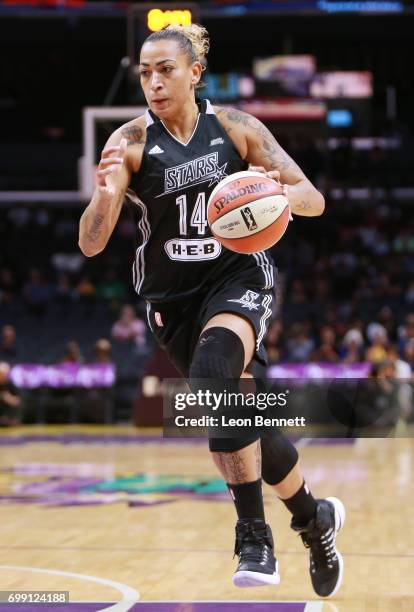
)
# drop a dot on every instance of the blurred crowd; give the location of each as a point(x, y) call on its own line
point(126, 347)
point(345, 294)
point(371, 343)
point(41, 264)
point(346, 288)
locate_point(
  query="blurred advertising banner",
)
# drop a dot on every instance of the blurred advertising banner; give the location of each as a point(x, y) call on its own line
point(33, 376)
point(319, 370)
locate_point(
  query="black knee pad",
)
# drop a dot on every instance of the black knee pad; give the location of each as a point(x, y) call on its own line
point(219, 354)
point(230, 445)
point(279, 457)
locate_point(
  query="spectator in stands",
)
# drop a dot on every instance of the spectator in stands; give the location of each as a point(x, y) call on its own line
point(377, 352)
point(274, 340)
point(408, 354)
point(8, 343)
point(403, 370)
point(129, 327)
point(406, 332)
point(37, 292)
point(111, 288)
point(72, 353)
point(85, 288)
point(8, 286)
point(102, 351)
point(326, 351)
point(63, 290)
point(297, 293)
point(300, 345)
point(10, 401)
point(352, 347)
point(386, 318)
point(403, 374)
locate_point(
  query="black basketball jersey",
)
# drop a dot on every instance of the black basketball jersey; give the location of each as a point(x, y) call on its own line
point(176, 254)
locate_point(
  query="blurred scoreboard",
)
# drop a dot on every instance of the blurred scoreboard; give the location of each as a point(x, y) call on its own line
point(245, 7)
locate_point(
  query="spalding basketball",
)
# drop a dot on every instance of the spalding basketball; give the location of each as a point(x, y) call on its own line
point(248, 212)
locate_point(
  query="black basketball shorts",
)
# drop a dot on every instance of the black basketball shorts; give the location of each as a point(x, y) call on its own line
point(178, 325)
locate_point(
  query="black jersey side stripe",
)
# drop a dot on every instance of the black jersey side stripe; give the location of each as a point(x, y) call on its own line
point(145, 229)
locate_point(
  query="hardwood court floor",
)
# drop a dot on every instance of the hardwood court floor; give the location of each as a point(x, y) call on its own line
point(95, 505)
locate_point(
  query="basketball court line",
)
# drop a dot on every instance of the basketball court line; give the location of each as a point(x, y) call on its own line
point(129, 595)
point(130, 598)
point(179, 606)
point(309, 606)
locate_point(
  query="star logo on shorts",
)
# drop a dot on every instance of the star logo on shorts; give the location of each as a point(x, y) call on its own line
point(219, 175)
point(248, 300)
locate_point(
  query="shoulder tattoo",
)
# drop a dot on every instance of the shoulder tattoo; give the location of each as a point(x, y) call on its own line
point(266, 142)
point(134, 135)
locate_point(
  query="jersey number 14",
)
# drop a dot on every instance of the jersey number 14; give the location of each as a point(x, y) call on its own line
point(198, 217)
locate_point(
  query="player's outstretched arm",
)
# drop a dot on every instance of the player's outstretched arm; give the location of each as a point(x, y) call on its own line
point(101, 215)
point(262, 149)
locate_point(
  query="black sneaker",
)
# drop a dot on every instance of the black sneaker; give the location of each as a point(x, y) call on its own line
point(254, 546)
point(326, 563)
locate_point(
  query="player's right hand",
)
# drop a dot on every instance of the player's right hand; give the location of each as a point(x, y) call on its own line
point(273, 174)
point(109, 167)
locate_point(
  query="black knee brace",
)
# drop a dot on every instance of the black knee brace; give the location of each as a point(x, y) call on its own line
point(219, 354)
point(279, 457)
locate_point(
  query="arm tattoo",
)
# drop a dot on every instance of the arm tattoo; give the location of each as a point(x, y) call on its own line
point(95, 231)
point(222, 114)
point(233, 467)
point(134, 135)
point(269, 148)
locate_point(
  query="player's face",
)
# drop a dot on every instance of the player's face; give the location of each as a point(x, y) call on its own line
point(167, 77)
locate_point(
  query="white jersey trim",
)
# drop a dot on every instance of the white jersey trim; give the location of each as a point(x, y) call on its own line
point(144, 227)
point(185, 144)
point(267, 300)
point(148, 316)
point(209, 108)
point(148, 118)
point(267, 268)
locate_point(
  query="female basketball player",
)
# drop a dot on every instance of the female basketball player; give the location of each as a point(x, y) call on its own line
point(207, 306)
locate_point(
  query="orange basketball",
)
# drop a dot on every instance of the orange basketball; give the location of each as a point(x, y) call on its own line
point(248, 212)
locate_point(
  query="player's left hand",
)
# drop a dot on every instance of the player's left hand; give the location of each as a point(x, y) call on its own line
point(273, 174)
